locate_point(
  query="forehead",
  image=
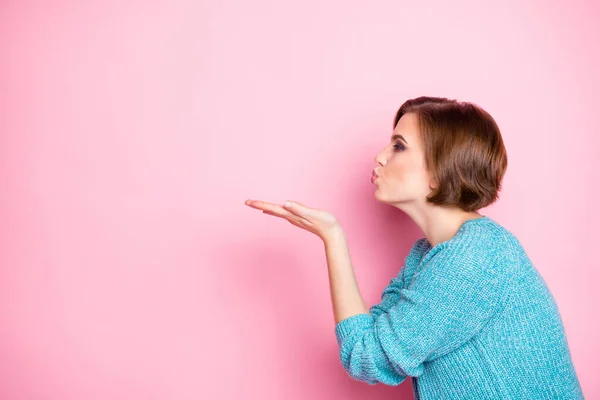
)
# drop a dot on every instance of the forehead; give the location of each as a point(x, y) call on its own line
point(408, 127)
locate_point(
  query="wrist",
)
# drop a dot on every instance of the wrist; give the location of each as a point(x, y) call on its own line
point(334, 234)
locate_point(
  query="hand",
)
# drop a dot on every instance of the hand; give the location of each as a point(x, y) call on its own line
point(319, 222)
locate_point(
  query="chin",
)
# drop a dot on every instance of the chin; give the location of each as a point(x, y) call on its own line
point(379, 196)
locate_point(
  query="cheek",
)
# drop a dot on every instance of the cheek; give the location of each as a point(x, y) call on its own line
point(410, 173)
point(406, 169)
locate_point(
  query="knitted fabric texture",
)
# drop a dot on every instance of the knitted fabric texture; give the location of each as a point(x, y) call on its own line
point(470, 318)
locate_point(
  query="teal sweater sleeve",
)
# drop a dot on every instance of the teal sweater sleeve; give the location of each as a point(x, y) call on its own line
point(391, 293)
point(456, 290)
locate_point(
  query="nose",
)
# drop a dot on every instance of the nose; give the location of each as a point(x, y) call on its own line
point(379, 159)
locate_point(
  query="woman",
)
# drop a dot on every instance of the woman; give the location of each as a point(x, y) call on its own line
point(468, 315)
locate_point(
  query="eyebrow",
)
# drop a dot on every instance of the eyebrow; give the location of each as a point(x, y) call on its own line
point(399, 137)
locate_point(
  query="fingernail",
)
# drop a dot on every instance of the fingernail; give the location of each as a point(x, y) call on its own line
point(287, 204)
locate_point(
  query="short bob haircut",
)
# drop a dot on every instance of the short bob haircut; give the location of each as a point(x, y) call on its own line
point(464, 151)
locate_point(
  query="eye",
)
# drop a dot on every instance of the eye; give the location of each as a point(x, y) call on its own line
point(399, 146)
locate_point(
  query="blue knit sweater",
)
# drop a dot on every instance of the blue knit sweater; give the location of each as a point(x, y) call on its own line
point(470, 318)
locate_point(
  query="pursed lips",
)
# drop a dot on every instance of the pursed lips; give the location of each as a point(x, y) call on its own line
point(374, 176)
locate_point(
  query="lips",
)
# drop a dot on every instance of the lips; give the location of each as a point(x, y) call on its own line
point(373, 177)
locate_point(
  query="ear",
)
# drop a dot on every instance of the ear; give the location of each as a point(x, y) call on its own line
point(433, 184)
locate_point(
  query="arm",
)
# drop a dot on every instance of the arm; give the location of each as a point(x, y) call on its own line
point(448, 302)
point(345, 294)
point(391, 294)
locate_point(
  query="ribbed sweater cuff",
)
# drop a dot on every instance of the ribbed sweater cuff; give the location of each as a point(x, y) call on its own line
point(348, 326)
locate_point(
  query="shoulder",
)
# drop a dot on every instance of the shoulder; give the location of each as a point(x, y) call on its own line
point(414, 258)
point(419, 247)
point(480, 247)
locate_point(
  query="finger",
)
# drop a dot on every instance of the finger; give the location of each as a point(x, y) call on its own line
point(299, 209)
point(260, 205)
point(281, 212)
point(297, 221)
point(272, 208)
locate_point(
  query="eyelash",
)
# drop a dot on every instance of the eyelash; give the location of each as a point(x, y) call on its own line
point(398, 144)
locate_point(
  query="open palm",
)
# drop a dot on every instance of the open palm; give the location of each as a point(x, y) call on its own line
point(319, 222)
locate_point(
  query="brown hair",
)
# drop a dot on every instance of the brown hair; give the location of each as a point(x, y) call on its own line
point(464, 151)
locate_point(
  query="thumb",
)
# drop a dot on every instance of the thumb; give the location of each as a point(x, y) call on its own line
point(297, 208)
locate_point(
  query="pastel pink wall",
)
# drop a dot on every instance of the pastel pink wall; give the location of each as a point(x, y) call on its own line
point(132, 132)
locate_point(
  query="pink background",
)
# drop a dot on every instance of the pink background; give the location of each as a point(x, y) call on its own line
point(132, 132)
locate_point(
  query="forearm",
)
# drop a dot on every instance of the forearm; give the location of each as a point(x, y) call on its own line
point(345, 294)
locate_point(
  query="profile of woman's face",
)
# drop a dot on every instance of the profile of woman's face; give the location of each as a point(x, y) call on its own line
point(402, 176)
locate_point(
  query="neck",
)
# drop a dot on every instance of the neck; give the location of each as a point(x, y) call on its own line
point(440, 224)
